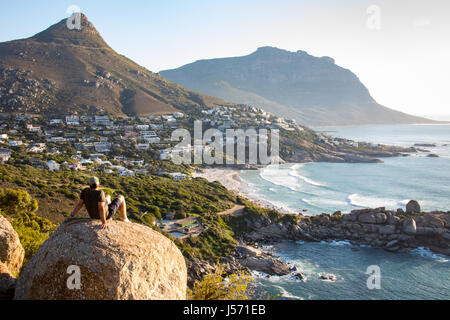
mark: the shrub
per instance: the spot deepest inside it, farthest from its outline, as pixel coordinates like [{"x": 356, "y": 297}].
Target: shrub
[
  {"x": 216, "y": 286},
  {"x": 14, "y": 202},
  {"x": 33, "y": 231}
]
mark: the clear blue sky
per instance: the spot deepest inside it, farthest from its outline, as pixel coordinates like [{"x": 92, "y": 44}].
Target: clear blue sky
[{"x": 405, "y": 64}]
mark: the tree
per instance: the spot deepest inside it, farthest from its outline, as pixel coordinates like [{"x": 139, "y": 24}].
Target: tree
[{"x": 14, "y": 202}]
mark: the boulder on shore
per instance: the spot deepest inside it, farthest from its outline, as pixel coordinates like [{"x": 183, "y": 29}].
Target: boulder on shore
[
  {"x": 11, "y": 250},
  {"x": 255, "y": 259},
  {"x": 413, "y": 207},
  {"x": 125, "y": 262}
]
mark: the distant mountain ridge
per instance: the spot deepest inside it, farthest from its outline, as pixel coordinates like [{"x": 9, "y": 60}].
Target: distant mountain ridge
[
  {"x": 312, "y": 90},
  {"x": 60, "y": 70}
]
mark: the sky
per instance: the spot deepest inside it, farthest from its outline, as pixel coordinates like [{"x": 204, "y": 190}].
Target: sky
[{"x": 399, "y": 49}]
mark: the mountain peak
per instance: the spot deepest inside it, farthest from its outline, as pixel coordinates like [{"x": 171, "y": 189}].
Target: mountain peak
[
  {"x": 270, "y": 50},
  {"x": 69, "y": 32}
]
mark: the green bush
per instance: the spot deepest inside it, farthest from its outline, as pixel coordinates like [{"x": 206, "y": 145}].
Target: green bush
[
  {"x": 14, "y": 202},
  {"x": 33, "y": 231}
]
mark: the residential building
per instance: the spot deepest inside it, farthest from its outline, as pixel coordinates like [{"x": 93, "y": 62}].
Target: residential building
[
  {"x": 5, "y": 154},
  {"x": 143, "y": 146},
  {"x": 52, "y": 165},
  {"x": 72, "y": 120},
  {"x": 15, "y": 143},
  {"x": 56, "y": 121}
]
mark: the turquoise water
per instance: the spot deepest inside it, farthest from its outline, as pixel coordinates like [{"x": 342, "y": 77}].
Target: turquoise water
[
  {"x": 327, "y": 187},
  {"x": 415, "y": 275}
]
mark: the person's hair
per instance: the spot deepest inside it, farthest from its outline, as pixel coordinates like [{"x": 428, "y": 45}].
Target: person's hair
[{"x": 93, "y": 186}]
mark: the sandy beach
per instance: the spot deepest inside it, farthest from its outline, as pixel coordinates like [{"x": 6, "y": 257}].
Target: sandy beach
[{"x": 229, "y": 178}]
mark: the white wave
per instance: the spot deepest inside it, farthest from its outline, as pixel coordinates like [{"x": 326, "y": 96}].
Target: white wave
[
  {"x": 361, "y": 201},
  {"x": 426, "y": 253},
  {"x": 279, "y": 177},
  {"x": 336, "y": 243},
  {"x": 294, "y": 173},
  {"x": 325, "y": 203},
  {"x": 287, "y": 294}
]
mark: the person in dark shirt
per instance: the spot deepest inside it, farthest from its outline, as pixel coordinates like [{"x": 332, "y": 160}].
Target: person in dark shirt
[{"x": 100, "y": 206}]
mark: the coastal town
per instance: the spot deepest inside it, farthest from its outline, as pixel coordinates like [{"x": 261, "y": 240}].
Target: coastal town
[{"x": 126, "y": 145}]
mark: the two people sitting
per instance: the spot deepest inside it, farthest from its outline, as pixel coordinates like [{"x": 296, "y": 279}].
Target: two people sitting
[{"x": 99, "y": 205}]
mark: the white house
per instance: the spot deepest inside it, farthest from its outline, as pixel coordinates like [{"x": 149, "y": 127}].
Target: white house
[
  {"x": 52, "y": 165},
  {"x": 143, "y": 146},
  {"x": 177, "y": 176},
  {"x": 104, "y": 120},
  {"x": 127, "y": 173},
  {"x": 102, "y": 146},
  {"x": 72, "y": 120},
  {"x": 3, "y": 136},
  {"x": 142, "y": 127},
  {"x": 15, "y": 143},
  {"x": 56, "y": 139},
  {"x": 164, "y": 154},
  {"x": 151, "y": 139},
  {"x": 178, "y": 115},
  {"x": 5, "y": 154},
  {"x": 33, "y": 128},
  {"x": 55, "y": 121}
]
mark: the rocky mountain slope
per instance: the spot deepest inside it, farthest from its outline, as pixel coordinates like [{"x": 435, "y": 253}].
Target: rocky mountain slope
[
  {"x": 314, "y": 91},
  {"x": 60, "y": 70}
]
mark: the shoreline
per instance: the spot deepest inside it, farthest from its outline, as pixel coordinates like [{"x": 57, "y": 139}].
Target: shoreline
[{"x": 229, "y": 178}]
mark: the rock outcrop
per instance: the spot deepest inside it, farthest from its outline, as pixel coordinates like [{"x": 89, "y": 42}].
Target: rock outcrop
[
  {"x": 126, "y": 261},
  {"x": 388, "y": 229},
  {"x": 258, "y": 260},
  {"x": 11, "y": 250}
]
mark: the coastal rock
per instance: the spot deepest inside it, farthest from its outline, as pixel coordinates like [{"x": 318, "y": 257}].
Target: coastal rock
[
  {"x": 372, "y": 217},
  {"x": 409, "y": 226},
  {"x": 392, "y": 248},
  {"x": 11, "y": 250},
  {"x": 433, "y": 222},
  {"x": 255, "y": 259},
  {"x": 328, "y": 277},
  {"x": 7, "y": 283},
  {"x": 392, "y": 220},
  {"x": 299, "y": 276},
  {"x": 388, "y": 229},
  {"x": 350, "y": 217},
  {"x": 413, "y": 207},
  {"x": 125, "y": 262},
  {"x": 392, "y": 243}
]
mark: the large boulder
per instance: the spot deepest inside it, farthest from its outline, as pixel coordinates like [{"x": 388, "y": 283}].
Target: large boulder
[
  {"x": 409, "y": 226},
  {"x": 11, "y": 251},
  {"x": 126, "y": 261},
  {"x": 413, "y": 207}
]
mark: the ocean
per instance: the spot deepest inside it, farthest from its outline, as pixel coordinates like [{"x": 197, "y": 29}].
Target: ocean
[{"x": 313, "y": 188}]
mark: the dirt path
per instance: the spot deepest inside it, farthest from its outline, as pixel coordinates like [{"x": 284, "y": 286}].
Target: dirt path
[{"x": 236, "y": 210}]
